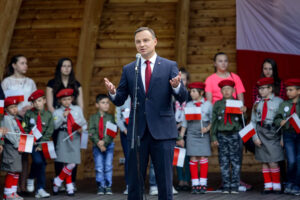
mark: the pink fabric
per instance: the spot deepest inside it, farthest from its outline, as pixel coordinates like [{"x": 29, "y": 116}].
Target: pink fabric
[{"x": 211, "y": 85}]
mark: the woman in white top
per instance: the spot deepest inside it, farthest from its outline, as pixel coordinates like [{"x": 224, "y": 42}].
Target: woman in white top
[{"x": 16, "y": 83}]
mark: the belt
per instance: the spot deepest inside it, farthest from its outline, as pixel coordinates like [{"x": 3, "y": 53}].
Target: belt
[
  {"x": 63, "y": 129},
  {"x": 227, "y": 132},
  {"x": 266, "y": 126}
]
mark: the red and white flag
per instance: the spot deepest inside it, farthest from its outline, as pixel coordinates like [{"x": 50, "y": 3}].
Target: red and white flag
[
  {"x": 49, "y": 150},
  {"x": 179, "y": 156},
  {"x": 247, "y": 132},
  {"x": 19, "y": 94},
  {"x": 111, "y": 129},
  {"x": 35, "y": 131},
  {"x": 192, "y": 113},
  {"x": 267, "y": 29},
  {"x": 125, "y": 114},
  {"x": 233, "y": 106},
  {"x": 295, "y": 122},
  {"x": 26, "y": 143},
  {"x": 1, "y": 106}
]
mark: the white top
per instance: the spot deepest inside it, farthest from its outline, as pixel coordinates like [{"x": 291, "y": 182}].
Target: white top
[{"x": 26, "y": 85}]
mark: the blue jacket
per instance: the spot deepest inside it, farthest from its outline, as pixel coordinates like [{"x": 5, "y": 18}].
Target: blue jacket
[{"x": 155, "y": 108}]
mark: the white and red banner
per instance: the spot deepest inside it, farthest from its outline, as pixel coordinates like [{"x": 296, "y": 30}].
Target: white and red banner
[
  {"x": 126, "y": 114},
  {"x": 111, "y": 129},
  {"x": 35, "y": 131},
  {"x": 179, "y": 156},
  {"x": 26, "y": 143},
  {"x": 1, "y": 106},
  {"x": 267, "y": 29},
  {"x": 233, "y": 106},
  {"x": 247, "y": 132},
  {"x": 19, "y": 94},
  {"x": 49, "y": 150},
  {"x": 295, "y": 122},
  {"x": 192, "y": 113}
]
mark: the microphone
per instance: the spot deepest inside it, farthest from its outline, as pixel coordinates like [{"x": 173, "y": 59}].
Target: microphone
[{"x": 138, "y": 58}]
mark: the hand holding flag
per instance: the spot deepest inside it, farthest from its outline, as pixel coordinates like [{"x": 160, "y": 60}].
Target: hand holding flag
[{"x": 247, "y": 132}]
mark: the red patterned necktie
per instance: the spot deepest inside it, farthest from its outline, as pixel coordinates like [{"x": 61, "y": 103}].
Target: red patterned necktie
[
  {"x": 101, "y": 128},
  {"x": 39, "y": 123},
  {"x": 147, "y": 75},
  {"x": 20, "y": 125},
  {"x": 70, "y": 121},
  {"x": 198, "y": 104},
  {"x": 293, "y": 109},
  {"x": 264, "y": 111}
]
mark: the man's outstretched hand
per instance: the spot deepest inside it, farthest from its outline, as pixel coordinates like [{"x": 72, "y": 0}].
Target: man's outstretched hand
[
  {"x": 176, "y": 80},
  {"x": 109, "y": 86}
]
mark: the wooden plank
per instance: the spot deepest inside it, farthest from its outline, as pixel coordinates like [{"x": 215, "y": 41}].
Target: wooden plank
[
  {"x": 182, "y": 28},
  {"x": 86, "y": 51},
  {"x": 143, "y": 1},
  {"x": 9, "y": 11}
]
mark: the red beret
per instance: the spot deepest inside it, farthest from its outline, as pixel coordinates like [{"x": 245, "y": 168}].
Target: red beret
[
  {"x": 198, "y": 85},
  {"x": 36, "y": 94},
  {"x": 292, "y": 82},
  {"x": 65, "y": 93},
  {"x": 10, "y": 101},
  {"x": 265, "y": 81},
  {"x": 226, "y": 82}
]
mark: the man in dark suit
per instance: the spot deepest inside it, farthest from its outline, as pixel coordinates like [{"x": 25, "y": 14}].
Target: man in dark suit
[{"x": 158, "y": 80}]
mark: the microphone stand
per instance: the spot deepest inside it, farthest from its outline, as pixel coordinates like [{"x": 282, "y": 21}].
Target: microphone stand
[{"x": 135, "y": 140}]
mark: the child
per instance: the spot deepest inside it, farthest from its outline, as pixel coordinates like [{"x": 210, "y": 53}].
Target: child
[
  {"x": 266, "y": 140},
  {"x": 43, "y": 120},
  {"x": 12, "y": 159},
  {"x": 70, "y": 122},
  {"x": 224, "y": 134},
  {"x": 103, "y": 149},
  {"x": 291, "y": 139},
  {"x": 198, "y": 141},
  {"x": 3, "y": 131}
]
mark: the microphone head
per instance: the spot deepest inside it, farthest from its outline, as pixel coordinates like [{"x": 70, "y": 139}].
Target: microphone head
[{"x": 138, "y": 55}]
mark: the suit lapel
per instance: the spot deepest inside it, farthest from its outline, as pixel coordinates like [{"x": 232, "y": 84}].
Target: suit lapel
[{"x": 155, "y": 72}]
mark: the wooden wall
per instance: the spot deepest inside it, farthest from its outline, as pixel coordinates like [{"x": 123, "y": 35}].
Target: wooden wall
[{"x": 47, "y": 30}]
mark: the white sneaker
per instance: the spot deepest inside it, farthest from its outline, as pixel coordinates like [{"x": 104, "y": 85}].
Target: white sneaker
[
  {"x": 174, "y": 191},
  {"x": 30, "y": 185},
  {"x": 126, "y": 190},
  {"x": 41, "y": 193},
  {"x": 153, "y": 190}
]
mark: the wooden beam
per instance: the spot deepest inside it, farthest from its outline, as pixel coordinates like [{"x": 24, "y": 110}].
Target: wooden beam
[
  {"x": 182, "y": 27},
  {"x": 86, "y": 54},
  {"x": 9, "y": 11}
]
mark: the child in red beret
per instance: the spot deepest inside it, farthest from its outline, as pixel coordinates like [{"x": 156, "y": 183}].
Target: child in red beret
[
  {"x": 70, "y": 122},
  {"x": 39, "y": 118}
]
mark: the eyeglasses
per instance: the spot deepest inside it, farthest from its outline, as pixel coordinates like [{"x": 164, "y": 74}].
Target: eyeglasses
[{"x": 262, "y": 88}]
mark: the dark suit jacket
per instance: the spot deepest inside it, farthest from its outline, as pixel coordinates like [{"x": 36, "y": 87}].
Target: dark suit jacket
[{"x": 155, "y": 108}]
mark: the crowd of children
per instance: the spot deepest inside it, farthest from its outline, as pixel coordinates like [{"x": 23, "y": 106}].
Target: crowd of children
[{"x": 276, "y": 138}]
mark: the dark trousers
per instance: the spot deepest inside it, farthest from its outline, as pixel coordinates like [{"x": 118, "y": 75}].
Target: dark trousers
[
  {"x": 292, "y": 150},
  {"x": 124, "y": 144},
  {"x": 38, "y": 168},
  {"x": 161, "y": 152},
  {"x": 58, "y": 166}
]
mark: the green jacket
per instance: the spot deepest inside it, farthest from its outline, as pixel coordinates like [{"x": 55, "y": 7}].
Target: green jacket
[
  {"x": 218, "y": 120},
  {"x": 94, "y": 128},
  {"x": 284, "y": 112},
  {"x": 47, "y": 123}
]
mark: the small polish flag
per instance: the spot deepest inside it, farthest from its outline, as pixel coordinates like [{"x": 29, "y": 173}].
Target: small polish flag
[
  {"x": 26, "y": 143},
  {"x": 233, "y": 106},
  {"x": 1, "y": 106},
  {"x": 48, "y": 150},
  {"x": 179, "y": 156},
  {"x": 192, "y": 113},
  {"x": 295, "y": 122},
  {"x": 19, "y": 94},
  {"x": 247, "y": 132},
  {"x": 35, "y": 131},
  {"x": 111, "y": 129},
  {"x": 125, "y": 114}
]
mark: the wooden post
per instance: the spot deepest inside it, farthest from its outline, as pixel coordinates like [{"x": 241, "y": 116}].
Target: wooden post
[
  {"x": 86, "y": 54},
  {"x": 182, "y": 26},
  {"x": 9, "y": 11}
]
